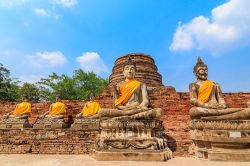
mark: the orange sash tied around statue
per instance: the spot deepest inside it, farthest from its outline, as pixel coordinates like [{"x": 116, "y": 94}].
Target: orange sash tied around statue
[
  {"x": 205, "y": 91},
  {"x": 126, "y": 90},
  {"x": 22, "y": 108},
  {"x": 90, "y": 108},
  {"x": 57, "y": 108}
]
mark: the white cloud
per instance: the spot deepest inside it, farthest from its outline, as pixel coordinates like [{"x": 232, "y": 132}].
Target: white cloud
[
  {"x": 12, "y": 3},
  {"x": 65, "y": 3},
  {"x": 47, "y": 59},
  {"x": 227, "y": 28},
  {"x": 41, "y": 12},
  {"x": 30, "y": 78},
  {"x": 91, "y": 61}
]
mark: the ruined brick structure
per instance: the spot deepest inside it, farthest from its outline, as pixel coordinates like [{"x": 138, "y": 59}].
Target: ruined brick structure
[{"x": 68, "y": 141}]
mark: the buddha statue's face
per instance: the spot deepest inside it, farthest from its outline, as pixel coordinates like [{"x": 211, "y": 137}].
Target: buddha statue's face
[
  {"x": 201, "y": 73},
  {"x": 129, "y": 71}
]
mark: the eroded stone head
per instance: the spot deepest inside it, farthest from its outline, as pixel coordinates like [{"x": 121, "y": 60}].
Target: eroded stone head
[
  {"x": 129, "y": 69},
  {"x": 200, "y": 70}
]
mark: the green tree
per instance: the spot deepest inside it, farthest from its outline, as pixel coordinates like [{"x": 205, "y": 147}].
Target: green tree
[
  {"x": 80, "y": 86},
  {"x": 31, "y": 90},
  {"x": 9, "y": 89}
]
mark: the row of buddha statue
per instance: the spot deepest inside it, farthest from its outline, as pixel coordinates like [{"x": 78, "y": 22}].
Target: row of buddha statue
[
  {"x": 132, "y": 126},
  {"x": 131, "y": 101}
]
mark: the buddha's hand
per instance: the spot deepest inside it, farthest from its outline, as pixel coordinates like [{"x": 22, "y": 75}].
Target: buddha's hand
[
  {"x": 212, "y": 105},
  {"x": 222, "y": 106},
  {"x": 142, "y": 106}
]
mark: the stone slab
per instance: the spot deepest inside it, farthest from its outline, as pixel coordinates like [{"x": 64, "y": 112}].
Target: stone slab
[
  {"x": 133, "y": 155},
  {"x": 86, "y": 124},
  {"x": 50, "y": 124},
  {"x": 14, "y": 123}
]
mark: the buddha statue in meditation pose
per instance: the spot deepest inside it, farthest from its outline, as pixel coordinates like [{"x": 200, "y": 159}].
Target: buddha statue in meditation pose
[
  {"x": 56, "y": 110},
  {"x": 207, "y": 98},
  {"x": 21, "y": 111},
  {"x": 130, "y": 98},
  {"x": 90, "y": 108}
]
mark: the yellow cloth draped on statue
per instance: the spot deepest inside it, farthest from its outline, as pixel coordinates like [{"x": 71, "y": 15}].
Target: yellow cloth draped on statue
[
  {"x": 22, "y": 108},
  {"x": 126, "y": 90},
  {"x": 90, "y": 108},
  {"x": 205, "y": 91},
  {"x": 57, "y": 108}
]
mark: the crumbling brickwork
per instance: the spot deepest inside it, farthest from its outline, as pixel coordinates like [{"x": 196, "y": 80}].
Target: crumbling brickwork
[{"x": 67, "y": 141}]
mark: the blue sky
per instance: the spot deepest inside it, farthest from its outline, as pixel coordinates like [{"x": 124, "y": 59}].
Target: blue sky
[{"x": 38, "y": 37}]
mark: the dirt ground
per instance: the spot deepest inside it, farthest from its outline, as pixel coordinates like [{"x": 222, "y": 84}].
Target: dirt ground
[{"x": 85, "y": 160}]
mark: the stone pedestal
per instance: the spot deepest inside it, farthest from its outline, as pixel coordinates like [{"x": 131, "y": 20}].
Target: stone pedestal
[
  {"x": 221, "y": 140},
  {"x": 85, "y": 124},
  {"x": 134, "y": 140},
  {"x": 13, "y": 123},
  {"x": 48, "y": 123}
]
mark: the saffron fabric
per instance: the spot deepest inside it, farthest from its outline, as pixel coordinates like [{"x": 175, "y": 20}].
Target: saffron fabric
[
  {"x": 91, "y": 108},
  {"x": 126, "y": 90},
  {"x": 22, "y": 108},
  {"x": 205, "y": 91},
  {"x": 57, "y": 108}
]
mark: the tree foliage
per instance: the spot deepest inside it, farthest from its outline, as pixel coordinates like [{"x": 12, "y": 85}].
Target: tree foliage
[
  {"x": 9, "y": 89},
  {"x": 80, "y": 86},
  {"x": 31, "y": 90}
]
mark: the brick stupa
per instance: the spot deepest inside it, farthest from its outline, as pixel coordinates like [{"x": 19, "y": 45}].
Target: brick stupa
[{"x": 146, "y": 70}]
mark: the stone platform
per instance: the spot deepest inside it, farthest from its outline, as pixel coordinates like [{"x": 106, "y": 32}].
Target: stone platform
[
  {"x": 12, "y": 123},
  {"x": 86, "y": 124},
  {"x": 47, "y": 123},
  {"x": 221, "y": 140},
  {"x": 131, "y": 140}
]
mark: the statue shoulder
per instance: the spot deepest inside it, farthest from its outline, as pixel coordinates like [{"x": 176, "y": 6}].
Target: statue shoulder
[{"x": 193, "y": 86}]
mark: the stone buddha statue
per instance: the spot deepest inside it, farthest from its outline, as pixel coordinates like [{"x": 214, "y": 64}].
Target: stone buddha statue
[
  {"x": 90, "y": 108},
  {"x": 208, "y": 100},
  {"x": 56, "y": 110},
  {"x": 21, "y": 111},
  {"x": 130, "y": 98}
]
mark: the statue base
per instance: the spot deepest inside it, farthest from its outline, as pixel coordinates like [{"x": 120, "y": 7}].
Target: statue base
[
  {"x": 133, "y": 140},
  {"x": 48, "y": 123},
  {"x": 85, "y": 124},
  {"x": 226, "y": 140},
  {"x": 12, "y": 123}
]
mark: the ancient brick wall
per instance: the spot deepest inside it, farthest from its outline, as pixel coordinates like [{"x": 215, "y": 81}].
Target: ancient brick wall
[{"x": 176, "y": 120}]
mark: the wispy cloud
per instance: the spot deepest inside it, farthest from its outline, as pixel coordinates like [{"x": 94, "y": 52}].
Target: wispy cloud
[
  {"x": 65, "y": 3},
  {"x": 47, "y": 59},
  {"x": 228, "y": 26},
  {"x": 12, "y": 3},
  {"x": 92, "y": 62},
  {"x": 41, "y": 12}
]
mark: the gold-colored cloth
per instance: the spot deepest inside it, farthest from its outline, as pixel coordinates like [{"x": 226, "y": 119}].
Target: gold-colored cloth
[
  {"x": 126, "y": 90},
  {"x": 22, "y": 108},
  {"x": 90, "y": 108},
  {"x": 205, "y": 91},
  {"x": 57, "y": 108}
]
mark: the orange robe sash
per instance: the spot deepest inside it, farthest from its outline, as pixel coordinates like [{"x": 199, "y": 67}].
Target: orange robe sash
[
  {"x": 57, "y": 108},
  {"x": 90, "y": 108},
  {"x": 22, "y": 108},
  {"x": 205, "y": 91},
  {"x": 126, "y": 90}
]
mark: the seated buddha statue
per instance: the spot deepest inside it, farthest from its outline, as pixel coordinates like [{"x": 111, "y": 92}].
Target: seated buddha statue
[
  {"x": 90, "y": 108},
  {"x": 56, "y": 110},
  {"x": 130, "y": 98},
  {"x": 21, "y": 111},
  {"x": 208, "y": 100}
]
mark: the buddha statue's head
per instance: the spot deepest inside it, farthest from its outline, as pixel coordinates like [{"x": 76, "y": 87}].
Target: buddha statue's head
[
  {"x": 25, "y": 97},
  {"x": 200, "y": 70},
  {"x": 129, "y": 69},
  {"x": 58, "y": 98}
]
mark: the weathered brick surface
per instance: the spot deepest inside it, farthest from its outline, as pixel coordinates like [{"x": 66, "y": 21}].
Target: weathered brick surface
[{"x": 176, "y": 120}]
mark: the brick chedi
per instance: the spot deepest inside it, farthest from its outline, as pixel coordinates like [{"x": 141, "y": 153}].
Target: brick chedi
[{"x": 146, "y": 70}]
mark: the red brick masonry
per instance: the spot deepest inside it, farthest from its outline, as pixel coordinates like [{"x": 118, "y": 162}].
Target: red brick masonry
[{"x": 67, "y": 141}]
